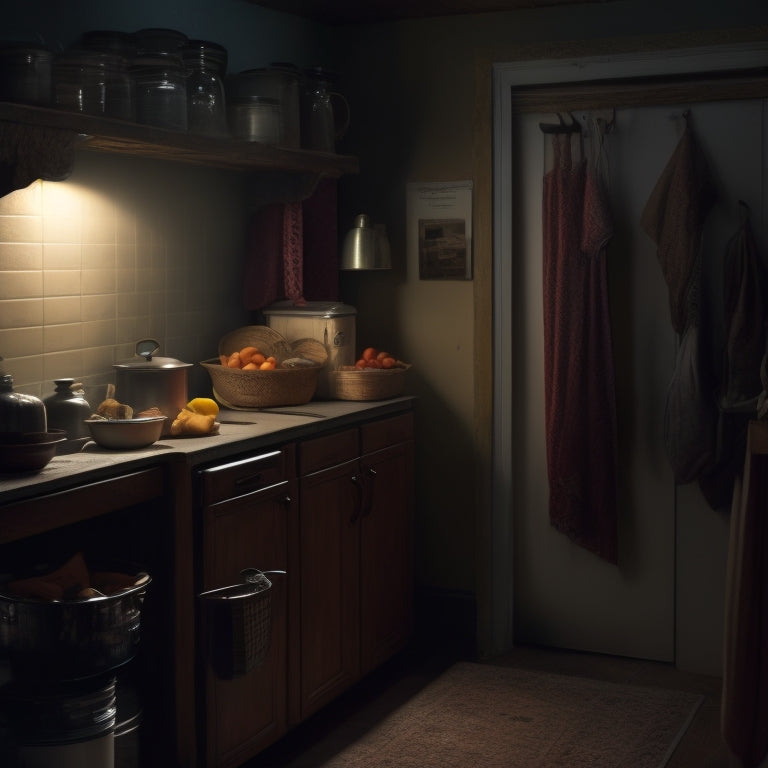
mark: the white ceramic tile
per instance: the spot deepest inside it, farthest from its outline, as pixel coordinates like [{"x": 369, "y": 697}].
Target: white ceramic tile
[
  {"x": 25, "y": 370},
  {"x": 98, "y": 307},
  {"x": 61, "y": 282},
  {"x": 20, "y": 313},
  {"x": 21, "y": 256},
  {"x": 100, "y": 333},
  {"x": 62, "y": 256},
  {"x": 61, "y": 365},
  {"x": 21, "y": 285},
  {"x": 126, "y": 281},
  {"x": 64, "y": 309},
  {"x": 99, "y": 255},
  {"x": 62, "y": 229},
  {"x": 98, "y": 282},
  {"x": 21, "y": 342},
  {"x": 125, "y": 256},
  {"x": 57, "y": 338},
  {"x": 21, "y": 229}
]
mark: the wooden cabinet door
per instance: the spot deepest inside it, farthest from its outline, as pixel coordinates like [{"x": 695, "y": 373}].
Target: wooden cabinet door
[
  {"x": 248, "y": 712},
  {"x": 386, "y": 559},
  {"x": 329, "y": 658}
]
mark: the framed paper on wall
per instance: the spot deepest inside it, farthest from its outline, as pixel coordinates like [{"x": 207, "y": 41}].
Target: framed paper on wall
[{"x": 440, "y": 229}]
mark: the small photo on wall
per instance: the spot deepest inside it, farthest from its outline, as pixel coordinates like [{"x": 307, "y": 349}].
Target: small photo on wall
[
  {"x": 439, "y": 230},
  {"x": 443, "y": 252}
]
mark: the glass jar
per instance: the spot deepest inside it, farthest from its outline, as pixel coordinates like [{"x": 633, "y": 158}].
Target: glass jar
[
  {"x": 67, "y": 409},
  {"x": 257, "y": 118},
  {"x": 161, "y": 91},
  {"x": 276, "y": 83},
  {"x": 94, "y": 83},
  {"x": 25, "y": 74},
  {"x": 205, "y": 63}
]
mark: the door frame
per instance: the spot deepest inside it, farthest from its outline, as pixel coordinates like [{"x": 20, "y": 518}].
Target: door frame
[{"x": 506, "y": 77}]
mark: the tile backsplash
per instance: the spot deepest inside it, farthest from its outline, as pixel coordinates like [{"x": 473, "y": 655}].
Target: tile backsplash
[{"x": 124, "y": 249}]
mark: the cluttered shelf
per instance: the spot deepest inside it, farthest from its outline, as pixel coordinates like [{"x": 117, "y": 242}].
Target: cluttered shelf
[{"x": 40, "y": 142}]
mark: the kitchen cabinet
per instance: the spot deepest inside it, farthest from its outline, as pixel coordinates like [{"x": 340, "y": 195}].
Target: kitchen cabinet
[
  {"x": 124, "y": 520},
  {"x": 247, "y": 506},
  {"x": 355, "y": 553}
]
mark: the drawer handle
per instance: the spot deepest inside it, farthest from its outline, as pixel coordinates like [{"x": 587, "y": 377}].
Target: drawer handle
[{"x": 249, "y": 480}]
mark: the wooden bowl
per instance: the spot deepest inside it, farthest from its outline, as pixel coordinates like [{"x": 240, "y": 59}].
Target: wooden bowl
[{"x": 28, "y": 451}]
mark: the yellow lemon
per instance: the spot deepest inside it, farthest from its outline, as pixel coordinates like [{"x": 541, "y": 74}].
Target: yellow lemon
[{"x": 203, "y": 405}]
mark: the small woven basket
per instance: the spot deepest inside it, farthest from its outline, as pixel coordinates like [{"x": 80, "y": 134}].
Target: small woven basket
[
  {"x": 293, "y": 382},
  {"x": 238, "y": 625},
  {"x": 368, "y": 384},
  {"x": 262, "y": 389}
]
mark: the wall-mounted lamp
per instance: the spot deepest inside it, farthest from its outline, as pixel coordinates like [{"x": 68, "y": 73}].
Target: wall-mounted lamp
[{"x": 366, "y": 246}]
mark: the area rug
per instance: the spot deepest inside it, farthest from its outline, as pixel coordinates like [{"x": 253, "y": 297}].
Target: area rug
[{"x": 477, "y": 715}]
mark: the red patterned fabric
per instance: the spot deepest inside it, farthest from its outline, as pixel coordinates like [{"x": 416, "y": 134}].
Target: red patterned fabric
[
  {"x": 580, "y": 399},
  {"x": 293, "y": 253}
]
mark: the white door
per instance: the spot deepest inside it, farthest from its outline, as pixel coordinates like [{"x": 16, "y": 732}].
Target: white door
[{"x": 670, "y": 541}]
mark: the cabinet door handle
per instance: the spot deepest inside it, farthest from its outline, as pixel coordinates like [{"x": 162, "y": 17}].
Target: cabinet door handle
[
  {"x": 360, "y": 497},
  {"x": 371, "y": 490}
]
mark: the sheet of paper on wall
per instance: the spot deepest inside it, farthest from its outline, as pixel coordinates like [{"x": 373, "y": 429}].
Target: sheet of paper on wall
[{"x": 439, "y": 229}]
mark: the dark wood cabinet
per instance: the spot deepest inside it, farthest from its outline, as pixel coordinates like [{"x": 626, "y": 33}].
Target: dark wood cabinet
[
  {"x": 356, "y": 551},
  {"x": 386, "y": 540},
  {"x": 247, "y": 506}
]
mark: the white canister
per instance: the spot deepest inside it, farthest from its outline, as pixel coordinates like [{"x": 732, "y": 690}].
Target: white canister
[{"x": 331, "y": 323}]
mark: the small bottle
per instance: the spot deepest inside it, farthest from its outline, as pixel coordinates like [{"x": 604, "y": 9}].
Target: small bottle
[{"x": 67, "y": 409}]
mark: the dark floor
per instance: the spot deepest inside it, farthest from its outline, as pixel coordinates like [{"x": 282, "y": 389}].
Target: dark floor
[{"x": 337, "y": 725}]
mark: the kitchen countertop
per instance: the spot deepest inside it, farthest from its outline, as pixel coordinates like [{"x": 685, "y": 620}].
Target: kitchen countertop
[{"x": 240, "y": 431}]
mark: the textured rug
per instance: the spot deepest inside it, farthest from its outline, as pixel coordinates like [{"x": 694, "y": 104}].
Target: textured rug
[{"x": 504, "y": 717}]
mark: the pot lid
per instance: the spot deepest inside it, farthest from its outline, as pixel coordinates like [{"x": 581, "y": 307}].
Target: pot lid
[
  {"x": 146, "y": 360},
  {"x": 310, "y": 309}
]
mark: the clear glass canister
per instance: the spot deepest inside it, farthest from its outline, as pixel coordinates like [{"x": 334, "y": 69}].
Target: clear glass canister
[
  {"x": 257, "y": 119},
  {"x": 94, "y": 83},
  {"x": 205, "y": 63},
  {"x": 161, "y": 91},
  {"x": 25, "y": 73}
]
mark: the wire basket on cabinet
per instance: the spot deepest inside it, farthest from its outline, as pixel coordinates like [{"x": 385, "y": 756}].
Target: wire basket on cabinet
[{"x": 237, "y": 624}]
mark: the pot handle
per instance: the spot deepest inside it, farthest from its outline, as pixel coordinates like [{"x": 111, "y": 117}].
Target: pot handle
[{"x": 146, "y": 348}]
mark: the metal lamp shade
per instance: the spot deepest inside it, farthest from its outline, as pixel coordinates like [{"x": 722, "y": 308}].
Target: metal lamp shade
[{"x": 365, "y": 247}]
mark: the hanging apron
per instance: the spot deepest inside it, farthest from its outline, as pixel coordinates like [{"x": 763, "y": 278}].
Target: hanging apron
[{"x": 579, "y": 380}]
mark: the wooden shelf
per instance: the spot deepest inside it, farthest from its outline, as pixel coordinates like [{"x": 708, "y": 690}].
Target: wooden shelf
[{"x": 60, "y": 134}]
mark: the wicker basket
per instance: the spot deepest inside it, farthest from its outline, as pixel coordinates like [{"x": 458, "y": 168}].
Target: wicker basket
[
  {"x": 237, "y": 622},
  {"x": 289, "y": 385},
  {"x": 233, "y": 387},
  {"x": 368, "y": 384},
  {"x": 265, "y": 339}
]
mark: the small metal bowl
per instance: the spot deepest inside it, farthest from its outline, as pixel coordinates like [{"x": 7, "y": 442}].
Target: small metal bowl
[{"x": 122, "y": 434}]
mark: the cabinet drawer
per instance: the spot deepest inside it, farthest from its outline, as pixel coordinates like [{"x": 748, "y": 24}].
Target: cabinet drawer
[
  {"x": 246, "y": 475},
  {"x": 327, "y": 451},
  {"x": 385, "y": 432}
]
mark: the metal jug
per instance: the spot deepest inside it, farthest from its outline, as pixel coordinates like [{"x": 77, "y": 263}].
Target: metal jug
[{"x": 324, "y": 112}]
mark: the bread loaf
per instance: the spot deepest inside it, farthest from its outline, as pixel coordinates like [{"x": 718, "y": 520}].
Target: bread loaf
[{"x": 112, "y": 409}]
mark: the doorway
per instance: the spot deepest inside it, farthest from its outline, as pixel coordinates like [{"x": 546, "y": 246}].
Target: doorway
[{"x": 664, "y": 600}]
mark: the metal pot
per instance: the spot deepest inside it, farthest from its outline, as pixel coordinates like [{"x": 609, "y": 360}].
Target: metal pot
[
  {"x": 147, "y": 381},
  {"x": 71, "y": 639}
]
